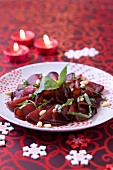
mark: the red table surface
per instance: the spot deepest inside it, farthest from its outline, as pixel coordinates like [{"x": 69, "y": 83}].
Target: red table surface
[{"x": 75, "y": 24}]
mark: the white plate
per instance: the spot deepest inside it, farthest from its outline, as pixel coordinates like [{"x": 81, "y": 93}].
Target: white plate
[{"x": 10, "y": 80}]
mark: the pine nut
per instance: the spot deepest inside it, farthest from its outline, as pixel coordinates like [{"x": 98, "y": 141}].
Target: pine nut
[
  {"x": 42, "y": 112},
  {"x": 84, "y": 82},
  {"x": 39, "y": 124},
  {"x": 70, "y": 103},
  {"x": 105, "y": 104},
  {"x": 8, "y": 93},
  {"x": 37, "y": 82},
  {"x": 54, "y": 110},
  {"x": 47, "y": 125},
  {"x": 72, "y": 89},
  {"x": 81, "y": 99},
  {"x": 82, "y": 86}
]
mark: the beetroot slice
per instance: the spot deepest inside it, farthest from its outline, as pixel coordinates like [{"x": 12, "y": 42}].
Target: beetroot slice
[
  {"x": 21, "y": 113},
  {"x": 54, "y": 118},
  {"x": 14, "y": 103},
  {"x": 53, "y": 75},
  {"x": 32, "y": 79},
  {"x": 97, "y": 87},
  {"x": 33, "y": 117},
  {"x": 24, "y": 92}
]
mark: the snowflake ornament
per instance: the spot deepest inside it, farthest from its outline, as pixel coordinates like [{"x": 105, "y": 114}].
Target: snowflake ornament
[
  {"x": 91, "y": 52},
  {"x": 80, "y": 157},
  {"x": 34, "y": 151},
  {"x": 2, "y": 140},
  {"x": 5, "y": 128},
  {"x": 78, "y": 141}
]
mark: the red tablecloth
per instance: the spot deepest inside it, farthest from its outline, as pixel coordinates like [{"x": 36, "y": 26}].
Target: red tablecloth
[{"x": 75, "y": 24}]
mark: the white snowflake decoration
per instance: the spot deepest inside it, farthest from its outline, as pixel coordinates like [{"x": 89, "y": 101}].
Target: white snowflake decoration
[
  {"x": 34, "y": 151},
  {"x": 91, "y": 52},
  {"x": 2, "y": 140},
  {"x": 5, "y": 128},
  {"x": 80, "y": 157}
]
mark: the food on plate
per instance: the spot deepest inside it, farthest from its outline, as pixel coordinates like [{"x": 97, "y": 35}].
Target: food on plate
[{"x": 55, "y": 99}]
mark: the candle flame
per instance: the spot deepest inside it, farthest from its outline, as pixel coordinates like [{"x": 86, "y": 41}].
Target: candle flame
[
  {"x": 46, "y": 39},
  {"x": 15, "y": 47},
  {"x": 22, "y": 34}
]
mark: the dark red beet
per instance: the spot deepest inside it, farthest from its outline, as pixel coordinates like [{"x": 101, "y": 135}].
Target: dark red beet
[
  {"x": 14, "y": 103},
  {"x": 21, "y": 113},
  {"x": 53, "y": 75},
  {"x": 24, "y": 92},
  {"x": 69, "y": 77},
  {"x": 33, "y": 117},
  {"x": 76, "y": 93},
  {"x": 64, "y": 111},
  {"x": 32, "y": 79},
  {"x": 59, "y": 96},
  {"x": 46, "y": 94},
  {"x": 53, "y": 118},
  {"x": 97, "y": 87},
  {"x": 83, "y": 107},
  {"x": 77, "y": 83}
]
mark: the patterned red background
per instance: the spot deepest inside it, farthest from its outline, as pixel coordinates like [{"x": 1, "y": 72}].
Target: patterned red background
[{"x": 75, "y": 24}]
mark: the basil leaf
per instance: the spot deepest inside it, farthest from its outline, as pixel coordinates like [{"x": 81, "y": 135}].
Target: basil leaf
[
  {"x": 79, "y": 114},
  {"x": 47, "y": 84},
  {"x": 25, "y": 82},
  {"x": 87, "y": 99},
  {"x": 92, "y": 99},
  {"x": 23, "y": 104},
  {"x": 22, "y": 88},
  {"x": 35, "y": 85},
  {"x": 90, "y": 110},
  {"x": 43, "y": 104},
  {"x": 59, "y": 107},
  {"x": 62, "y": 75},
  {"x": 68, "y": 102}
]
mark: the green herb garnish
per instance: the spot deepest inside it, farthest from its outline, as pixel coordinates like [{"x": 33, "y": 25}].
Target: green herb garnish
[
  {"x": 69, "y": 101},
  {"x": 48, "y": 83},
  {"x": 62, "y": 76},
  {"x": 79, "y": 114},
  {"x": 59, "y": 107},
  {"x": 43, "y": 104},
  {"x": 25, "y": 82},
  {"x": 35, "y": 85},
  {"x": 92, "y": 100},
  {"x": 87, "y": 99},
  {"x": 23, "y": 104}
]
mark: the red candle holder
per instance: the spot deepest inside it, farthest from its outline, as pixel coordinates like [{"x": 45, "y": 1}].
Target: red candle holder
[
  {"x": 28, "y": 41},
  {"x": 19, "y": 56},
  {"x": 45, "y": 49}
]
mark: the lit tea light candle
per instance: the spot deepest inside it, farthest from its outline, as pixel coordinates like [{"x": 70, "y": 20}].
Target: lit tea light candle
[
  {"x": 23, "y": 37},
  {"x": 22, "y": 34},
  {"x": 17, "y": 53},
  {"x": 46, "y": 46},
  {"x": 15, "y": 47},
  {"x": 47, "y": 41}
]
